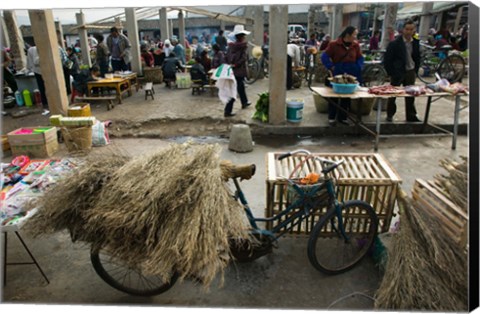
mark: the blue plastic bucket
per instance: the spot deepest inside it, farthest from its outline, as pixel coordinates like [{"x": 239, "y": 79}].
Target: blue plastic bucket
[{"x": 295, "y": 110}]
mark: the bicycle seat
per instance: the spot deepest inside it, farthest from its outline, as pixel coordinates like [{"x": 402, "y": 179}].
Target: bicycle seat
[{"x": 232, "y": 171}]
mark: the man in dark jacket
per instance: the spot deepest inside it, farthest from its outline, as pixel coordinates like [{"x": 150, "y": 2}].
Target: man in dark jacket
[
  {"x": 402, "y": 61},
  {"x": 237, "y": 58}
]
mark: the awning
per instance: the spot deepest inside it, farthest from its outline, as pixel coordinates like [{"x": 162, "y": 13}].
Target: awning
[{"x": 416, "y": 9}]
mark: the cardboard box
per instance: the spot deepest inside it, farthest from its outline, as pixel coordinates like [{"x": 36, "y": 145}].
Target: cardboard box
[
  {"x": 32, "y": 139},
  {"x": 5, "y": 143},
  {"x": 37, "y": 150},
  {"x": 79, "y": 110}
]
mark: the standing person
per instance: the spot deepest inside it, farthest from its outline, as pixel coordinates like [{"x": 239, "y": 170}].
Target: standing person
[
  {"x": 221, "y": 41},
  {"x": 33, "y": 65},
  {"x": 391, "y": 33},
  {"x": 402, "y": 61},
  {"x": 237, "y": 58},
  {"x": 325, "y": 41},
  {"x": 321, "y": 34},
  {"x": 72, "y": 56},
  {"x": 179, "y": 50},
  {"x": 343, "y": 56},
  {"x": 119, "y": 47},
  {"x": 167, "y": 48},
  {"x": 218, "y": 56},
  {"x": 374, "y": 40},
  {"x": 7, "y": 75},
  {"x": 293, "y": 56},
  {"x": 146, "y": 57},
  {"x": 102, "y": 54}
]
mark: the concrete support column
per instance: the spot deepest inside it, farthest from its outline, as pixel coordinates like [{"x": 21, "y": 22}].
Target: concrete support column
[
  {"x": 43, "y": 29},
  {"x": 4, "y": 35},
  {"x": 311, "y": 20},
  {"x": 390, "y": 19},
  {"x": 132, "y": 26},
  {"x": 376, "y": 23},
  {"x": 425, "y": 20},
  {"x": 181, "y": 28},
  {"x": 337, "y": 20},
  {"x": 439, "y": 22},
  {"x": 119, "y": 25},
  {"x": 278, "y": 23},
  {"x": 222, "y": 25},
  {"x": 59, "y": 30},
  {"x": 16, "y": 39},
  {"x": 330, "y": 23},
  {"x": 164, "y": 34},
  {"x": 82, "y": 33},
  {"x": 456, "y": 27},
  {"x": 170, "y": 28},
  {"x": 257, "y": 33}
]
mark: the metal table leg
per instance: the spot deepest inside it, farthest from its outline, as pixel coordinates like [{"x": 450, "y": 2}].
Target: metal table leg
[
  {"x": 4, "y": 258},
  {"x": 455, "y": 122},
  {"x": 379, "y": 114}
]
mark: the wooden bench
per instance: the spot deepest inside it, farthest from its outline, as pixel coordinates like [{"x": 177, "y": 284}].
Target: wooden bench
[
  {"x": 109, "y": 100},
  {"x": 149, "y": 91},
  {"x": 198, "y": 88}
]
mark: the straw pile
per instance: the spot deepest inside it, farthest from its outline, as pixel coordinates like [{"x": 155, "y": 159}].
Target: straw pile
[
  {"x": 426, "y": 269},
  {"x": 455, "y": 184},
  {"x": 168, "y": 211}
]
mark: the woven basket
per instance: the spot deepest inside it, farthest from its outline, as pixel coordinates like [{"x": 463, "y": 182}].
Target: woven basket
[
  {"x": 78, "y": 139},
  {"x": 154, "y": 75}
]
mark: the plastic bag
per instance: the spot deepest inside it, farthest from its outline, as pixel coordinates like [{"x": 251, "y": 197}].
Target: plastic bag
[{"x": 100, "y": 134}]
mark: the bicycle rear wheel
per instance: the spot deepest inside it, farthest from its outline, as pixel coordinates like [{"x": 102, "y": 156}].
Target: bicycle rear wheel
[
  {"x": 374, "y": 75},
  {"x": 452, "y": 68},
  {"x": 328, "y": 250},
  {"x": 126, "y": 278},
  {"x": 253, "y": 71}
]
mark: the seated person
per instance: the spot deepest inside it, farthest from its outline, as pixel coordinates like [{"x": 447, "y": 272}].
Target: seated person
[
  {"x": 147, "y": 57},
  {"x": 205, "y": 60},
  {"x": 198, "y": 73},
  {"x": 218, "y": 56},
  {"x": 170, "y": 67},
  {"x": 81, "y": 79}
]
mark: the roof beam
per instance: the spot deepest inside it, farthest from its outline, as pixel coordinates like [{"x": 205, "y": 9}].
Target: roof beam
[{"x": 217, "y": 16}]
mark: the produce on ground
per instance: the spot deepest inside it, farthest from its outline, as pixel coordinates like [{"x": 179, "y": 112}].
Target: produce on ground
[{"x": 261, "y": 107}]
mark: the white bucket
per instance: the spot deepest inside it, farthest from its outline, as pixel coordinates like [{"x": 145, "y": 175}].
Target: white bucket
[{"x": 295, "y": 110}]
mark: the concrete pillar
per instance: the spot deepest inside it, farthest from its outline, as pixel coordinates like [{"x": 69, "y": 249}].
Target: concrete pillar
[
  {"x": 181, "y": 28},
  {"x": 16, "y": 40},
  {"x": 119, "y": 25},
  {"x": 222, "y": 25},
  {"x": 164, "y": 24},
  {"x": 311, "y": 20},
  {"x": 59, "y": 30},
  {"x": 376, "y": 23},
  {"x": 82, "y": 33},
  {"x": 132, "y": 26},
  {"x": 439, "y": 22},
  {"x": 389, "y": 20},
  {"x": 257, "y": 32},
  {"x": 43, "y": 29},
  {"x": 170, "y": 28},
  {"x": 337, "y": 20},
  {"x": 4, "y": 35},
  {"x": 278, "y": 24},
  {"x": 456, "y": 27},
  {"x": 330, "y": 23},
  {"x": 425, "y": 20}
]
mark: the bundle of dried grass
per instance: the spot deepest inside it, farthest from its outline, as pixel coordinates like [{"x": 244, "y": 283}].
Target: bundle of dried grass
[
  {"x": 64, "y": 206},
  {"x": 426, "y": 269},
  {"x": 455, "y": 183},
  {"x": 167, "y": 211}
]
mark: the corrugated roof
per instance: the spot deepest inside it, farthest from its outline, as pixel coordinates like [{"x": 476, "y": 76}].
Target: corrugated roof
[{"x": 417, "y": 8}]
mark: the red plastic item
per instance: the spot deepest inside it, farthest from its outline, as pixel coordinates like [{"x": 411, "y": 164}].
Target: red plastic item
[{"x": 20, "y": 161}]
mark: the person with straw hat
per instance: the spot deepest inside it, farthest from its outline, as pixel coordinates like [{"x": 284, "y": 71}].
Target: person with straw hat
[{"x": 237, "y": 58}]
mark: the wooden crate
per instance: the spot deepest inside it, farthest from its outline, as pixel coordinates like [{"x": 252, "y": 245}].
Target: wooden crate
[
  {"x": 367, "y": 177},
  {"x": 428, "y": 196}
]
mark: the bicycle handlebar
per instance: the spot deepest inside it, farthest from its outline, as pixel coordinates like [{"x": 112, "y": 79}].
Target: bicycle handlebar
[{"x": 332, "y": 164}]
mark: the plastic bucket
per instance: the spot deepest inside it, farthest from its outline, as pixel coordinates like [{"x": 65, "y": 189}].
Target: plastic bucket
[{"x": 295, "y": 110}]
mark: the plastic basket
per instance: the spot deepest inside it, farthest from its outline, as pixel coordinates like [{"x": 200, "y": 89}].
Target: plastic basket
[
  {"x": 321, "y": 193},
  {"x": 344, "y": 88}
]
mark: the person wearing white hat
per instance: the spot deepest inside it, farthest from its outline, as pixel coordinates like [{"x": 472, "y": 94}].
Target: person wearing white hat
[{"x": 237, "y": 58}]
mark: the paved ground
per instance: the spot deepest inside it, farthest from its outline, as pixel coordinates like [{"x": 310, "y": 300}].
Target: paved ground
[{"x": 284, "y": 279}]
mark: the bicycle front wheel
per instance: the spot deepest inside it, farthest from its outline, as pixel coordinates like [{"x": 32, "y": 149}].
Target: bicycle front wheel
[
  {"x": 126, "y": 278},
  {"x": 253, "y": 71},
  {"x": 330, "y": 251},
  {"x": 374, "y": 75}
]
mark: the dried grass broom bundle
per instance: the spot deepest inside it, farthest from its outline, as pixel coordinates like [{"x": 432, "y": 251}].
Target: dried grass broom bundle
[
  {"x": 63, "y": 206},
  {"x": 170, "y": 211},
  {"x": 455, "y": 183},
  {"x": 426, "y": 270}
]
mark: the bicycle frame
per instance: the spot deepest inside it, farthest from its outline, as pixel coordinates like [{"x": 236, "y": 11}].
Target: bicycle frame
[{"x": 297, "y": 218}]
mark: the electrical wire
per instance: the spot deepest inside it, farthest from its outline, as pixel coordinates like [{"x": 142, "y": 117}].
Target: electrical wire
[{"x": 350, "y": 295}]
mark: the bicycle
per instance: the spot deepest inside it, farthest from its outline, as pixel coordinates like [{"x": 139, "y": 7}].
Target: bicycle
[
  {"x": 373, "y": 73},
  {"x": 257, "y": 65},
  {"x": 345, "y": 229},
  {"x": 440, "y": 64}
]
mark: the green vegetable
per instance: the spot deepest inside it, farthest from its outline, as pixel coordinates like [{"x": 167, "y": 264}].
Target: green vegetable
[{"x": 261, "y": 107}]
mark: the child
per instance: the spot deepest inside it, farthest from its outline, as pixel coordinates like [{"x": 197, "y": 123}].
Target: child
[{"x": 80, "y": 81}]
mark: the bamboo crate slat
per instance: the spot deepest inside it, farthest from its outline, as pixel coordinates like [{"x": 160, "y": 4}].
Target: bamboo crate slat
[
  {"x": 454, "y": 220},
  {"x": 368, "y": 177}
]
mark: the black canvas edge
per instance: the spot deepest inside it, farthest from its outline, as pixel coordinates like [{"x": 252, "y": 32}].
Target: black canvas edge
[{"x": 473, "y": 19}]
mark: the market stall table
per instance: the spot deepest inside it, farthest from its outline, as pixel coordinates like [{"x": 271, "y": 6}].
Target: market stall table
[
  {"x": 132, "y": 76},
  {"x": 362, "y": 93},
  {"x": 115, "y": 83}
]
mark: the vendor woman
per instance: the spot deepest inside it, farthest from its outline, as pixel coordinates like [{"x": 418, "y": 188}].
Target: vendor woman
[{"x": 343, "y": 56}]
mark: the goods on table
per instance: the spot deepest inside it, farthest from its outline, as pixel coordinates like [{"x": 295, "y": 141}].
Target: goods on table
[
  {"x": 455, "y": 88},
  {"x": 415, "y": 90},
  {"x": 343, "y": 79},
  {"x": 167, "y": 211},
  {"x": 386, "y": 90}
]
